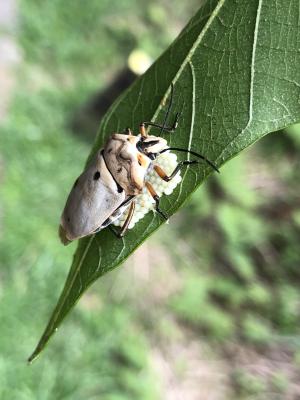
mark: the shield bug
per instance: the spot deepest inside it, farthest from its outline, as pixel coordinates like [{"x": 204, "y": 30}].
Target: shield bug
[{"x": 116, "y": 176}]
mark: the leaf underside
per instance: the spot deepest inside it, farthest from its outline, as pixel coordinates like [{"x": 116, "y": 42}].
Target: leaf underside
[{"x": 235, "y": 70}]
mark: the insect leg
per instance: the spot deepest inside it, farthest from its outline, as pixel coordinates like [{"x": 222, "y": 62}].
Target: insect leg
[
  {"x": 124, "y": 228},
  {"x": 143, "y": 131},
  {"x": 168, "y": 110},
  {"x": 163, "y": 127},
  {"x": 161, "y": 173},
  {"x": 156, "y": 198},
  {"x": 190, "y": 152},
  {"x": 128, "y": 219},
  {"x": 117, "y": 234},
  {"x": 116, "y": 214}
]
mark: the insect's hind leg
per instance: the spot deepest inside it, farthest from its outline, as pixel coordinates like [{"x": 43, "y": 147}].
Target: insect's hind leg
[
  {"x": 157, "y": 199},
  {"x": 115, "y": 215},
  {"x": 125, "y": 226},
  {"x": 114, "y": 231},
  {"x": 167, "y": 178}
]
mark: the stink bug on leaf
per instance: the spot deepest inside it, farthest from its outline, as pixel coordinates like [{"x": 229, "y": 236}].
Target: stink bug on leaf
[{"x": 117, "y": 175}]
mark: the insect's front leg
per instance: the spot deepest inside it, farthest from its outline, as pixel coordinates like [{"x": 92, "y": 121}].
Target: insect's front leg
[
  {"x": 162, "y": 174},
  {"x": 163, "y": 126},
  {"x": 157, "y": 199},
  {"x": 171, "y": 128}
]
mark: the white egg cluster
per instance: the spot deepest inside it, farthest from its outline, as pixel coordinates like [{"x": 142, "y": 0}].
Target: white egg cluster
[{"x": 144, "y": 202}]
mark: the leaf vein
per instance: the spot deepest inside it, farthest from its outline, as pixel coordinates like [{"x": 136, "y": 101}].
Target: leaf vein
[{"x": 252, "y": 69}]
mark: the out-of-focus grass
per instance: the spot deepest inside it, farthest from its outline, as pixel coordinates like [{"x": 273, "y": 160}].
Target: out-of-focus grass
[
  {"x": 242, "y": 282},
  {"x": 250, "y": 248}
]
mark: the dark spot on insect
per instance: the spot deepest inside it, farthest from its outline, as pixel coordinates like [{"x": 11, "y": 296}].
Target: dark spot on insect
[
  {"x": 119, "y": 169},
  {"x": 139, "y": 162},
  {"x": 75, "y": 183},
  {"x": 109, "y": 150},
  {"x": 68, "y": 219},
  {"x": 96, "y": 175},
  {"x": 119, "y": 188}
]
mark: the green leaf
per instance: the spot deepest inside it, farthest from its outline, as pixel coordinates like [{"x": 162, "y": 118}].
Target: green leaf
[{"x": 235, "y": 70}]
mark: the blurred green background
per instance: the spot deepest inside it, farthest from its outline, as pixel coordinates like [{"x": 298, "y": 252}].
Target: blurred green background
[{"x": 209, "y": 307}]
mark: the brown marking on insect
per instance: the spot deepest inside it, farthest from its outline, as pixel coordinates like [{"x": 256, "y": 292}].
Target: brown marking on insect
[
  {"x": 131, "y": 139},
  {"x": 142, "y": 160}
]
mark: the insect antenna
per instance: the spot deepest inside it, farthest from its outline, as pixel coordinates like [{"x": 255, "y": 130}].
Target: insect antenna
[{"x": 193, "y": 153}]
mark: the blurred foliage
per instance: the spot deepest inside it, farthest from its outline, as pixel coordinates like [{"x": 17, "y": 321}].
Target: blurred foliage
[
  {"x": 81, "y": 44},
  {"x": 237, "y": 241},
  {"x": 250, "y": 246}
]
